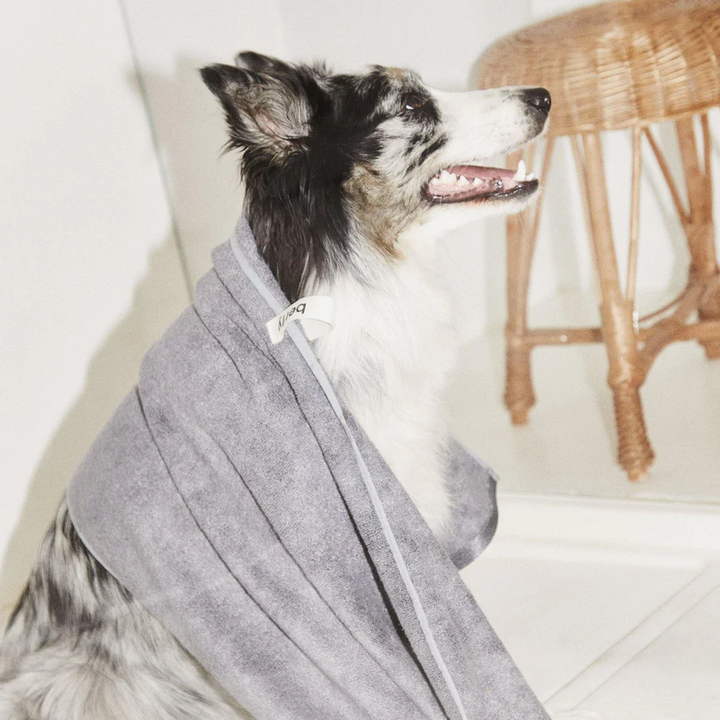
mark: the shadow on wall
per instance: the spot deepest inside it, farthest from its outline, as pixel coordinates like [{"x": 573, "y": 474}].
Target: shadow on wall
[
  {"x": 203, "y": 183},
  {"x": 205, "y": 201},
  {"x": 112, "y": 372},
  {"x": 190, "y": 131}
]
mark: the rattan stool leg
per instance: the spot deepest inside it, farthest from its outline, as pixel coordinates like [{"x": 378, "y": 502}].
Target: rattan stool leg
[
  {"x": 519, "y": 395},
  {"x": 521, "y": 236},
  {"x": 710, "y": 310},
  {"x": 634, "y": 452},
  {"x": 699, "y": 227}
]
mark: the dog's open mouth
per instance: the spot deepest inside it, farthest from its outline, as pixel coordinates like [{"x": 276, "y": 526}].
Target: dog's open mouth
[{"x": 463, "y": 183}]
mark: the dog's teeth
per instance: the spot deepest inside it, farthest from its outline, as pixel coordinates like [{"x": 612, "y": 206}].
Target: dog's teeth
[
  {"x": 435, "y": 181},
  {"x": 452, "y": 179},
  {"x": 530, "y": 176},
  {"x": 445, "y": 176},
  {"x": 463, "y": 180},
  {"x": 476, "y": 181},
  {"x": 521, "y": 173}
]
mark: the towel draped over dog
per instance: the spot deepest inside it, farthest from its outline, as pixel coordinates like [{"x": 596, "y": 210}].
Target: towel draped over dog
[{"x": 245, "y": 509}]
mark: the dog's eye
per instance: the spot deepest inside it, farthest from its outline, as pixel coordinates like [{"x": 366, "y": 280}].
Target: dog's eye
[{"x": 414, "y": 102}]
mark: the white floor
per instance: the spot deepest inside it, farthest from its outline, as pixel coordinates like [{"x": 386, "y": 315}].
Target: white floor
[
  {"x": 606, "y": 593},
  {"x": 568, "y": 446}
]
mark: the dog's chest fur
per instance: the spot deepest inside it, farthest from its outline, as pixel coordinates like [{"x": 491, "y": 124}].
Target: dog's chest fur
[{"x": 389, "y": 354}]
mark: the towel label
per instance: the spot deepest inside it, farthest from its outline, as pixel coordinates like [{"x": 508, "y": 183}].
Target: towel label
[{"x": 315, "y": 312}]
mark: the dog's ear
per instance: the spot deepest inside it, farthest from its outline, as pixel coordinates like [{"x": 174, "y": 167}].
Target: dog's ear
[
  {"x": 258, "y": 63},
  {"x": 268, "y": 109}
]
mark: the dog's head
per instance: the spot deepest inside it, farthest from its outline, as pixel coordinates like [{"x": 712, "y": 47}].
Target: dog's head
[{"x": 337, "y": 165}]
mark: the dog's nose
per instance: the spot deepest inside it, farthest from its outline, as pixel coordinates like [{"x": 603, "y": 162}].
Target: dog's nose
[{"x": 539, "y": 98}]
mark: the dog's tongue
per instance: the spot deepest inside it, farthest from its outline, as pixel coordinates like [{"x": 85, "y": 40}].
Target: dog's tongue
[{"x": 470, "y": 180}]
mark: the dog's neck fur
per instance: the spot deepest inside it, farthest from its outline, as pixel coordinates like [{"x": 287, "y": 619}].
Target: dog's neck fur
[{"x": 389, "y": 354}]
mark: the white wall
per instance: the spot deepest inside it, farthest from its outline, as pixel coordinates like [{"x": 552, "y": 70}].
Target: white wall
[{"x": 89, "y": 271}]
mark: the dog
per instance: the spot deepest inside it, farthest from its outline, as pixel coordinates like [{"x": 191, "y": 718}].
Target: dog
[{"x": 350, "y": 180}]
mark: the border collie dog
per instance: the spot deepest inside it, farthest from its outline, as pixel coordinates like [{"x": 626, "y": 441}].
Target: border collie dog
[{"x": 350, "y": 180}]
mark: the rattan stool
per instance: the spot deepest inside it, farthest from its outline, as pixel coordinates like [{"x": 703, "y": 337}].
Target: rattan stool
[{"x": 618, "y": 65}]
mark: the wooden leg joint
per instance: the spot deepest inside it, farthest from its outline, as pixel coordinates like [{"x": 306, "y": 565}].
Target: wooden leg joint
[
  {"x": 710, "y": 310},
  {"x": 620, "y": 339},
  {"x": 625, "y": 376}
]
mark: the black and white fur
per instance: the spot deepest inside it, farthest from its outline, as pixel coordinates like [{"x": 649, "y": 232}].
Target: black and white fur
[{"x": 346, "y": 197}]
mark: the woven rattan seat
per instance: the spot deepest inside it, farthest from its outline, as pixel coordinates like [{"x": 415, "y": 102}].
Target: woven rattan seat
[{"x": 614, "y": 66}]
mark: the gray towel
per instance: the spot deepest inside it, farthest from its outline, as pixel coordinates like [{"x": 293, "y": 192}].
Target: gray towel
[{"x": 243, "y": 508}]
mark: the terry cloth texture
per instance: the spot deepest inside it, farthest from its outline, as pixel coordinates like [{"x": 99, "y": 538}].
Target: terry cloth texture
[{"x": 258, "y": 523}]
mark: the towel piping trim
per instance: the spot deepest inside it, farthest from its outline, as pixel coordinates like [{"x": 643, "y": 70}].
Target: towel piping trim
[{"x": 309, "y": 356}]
